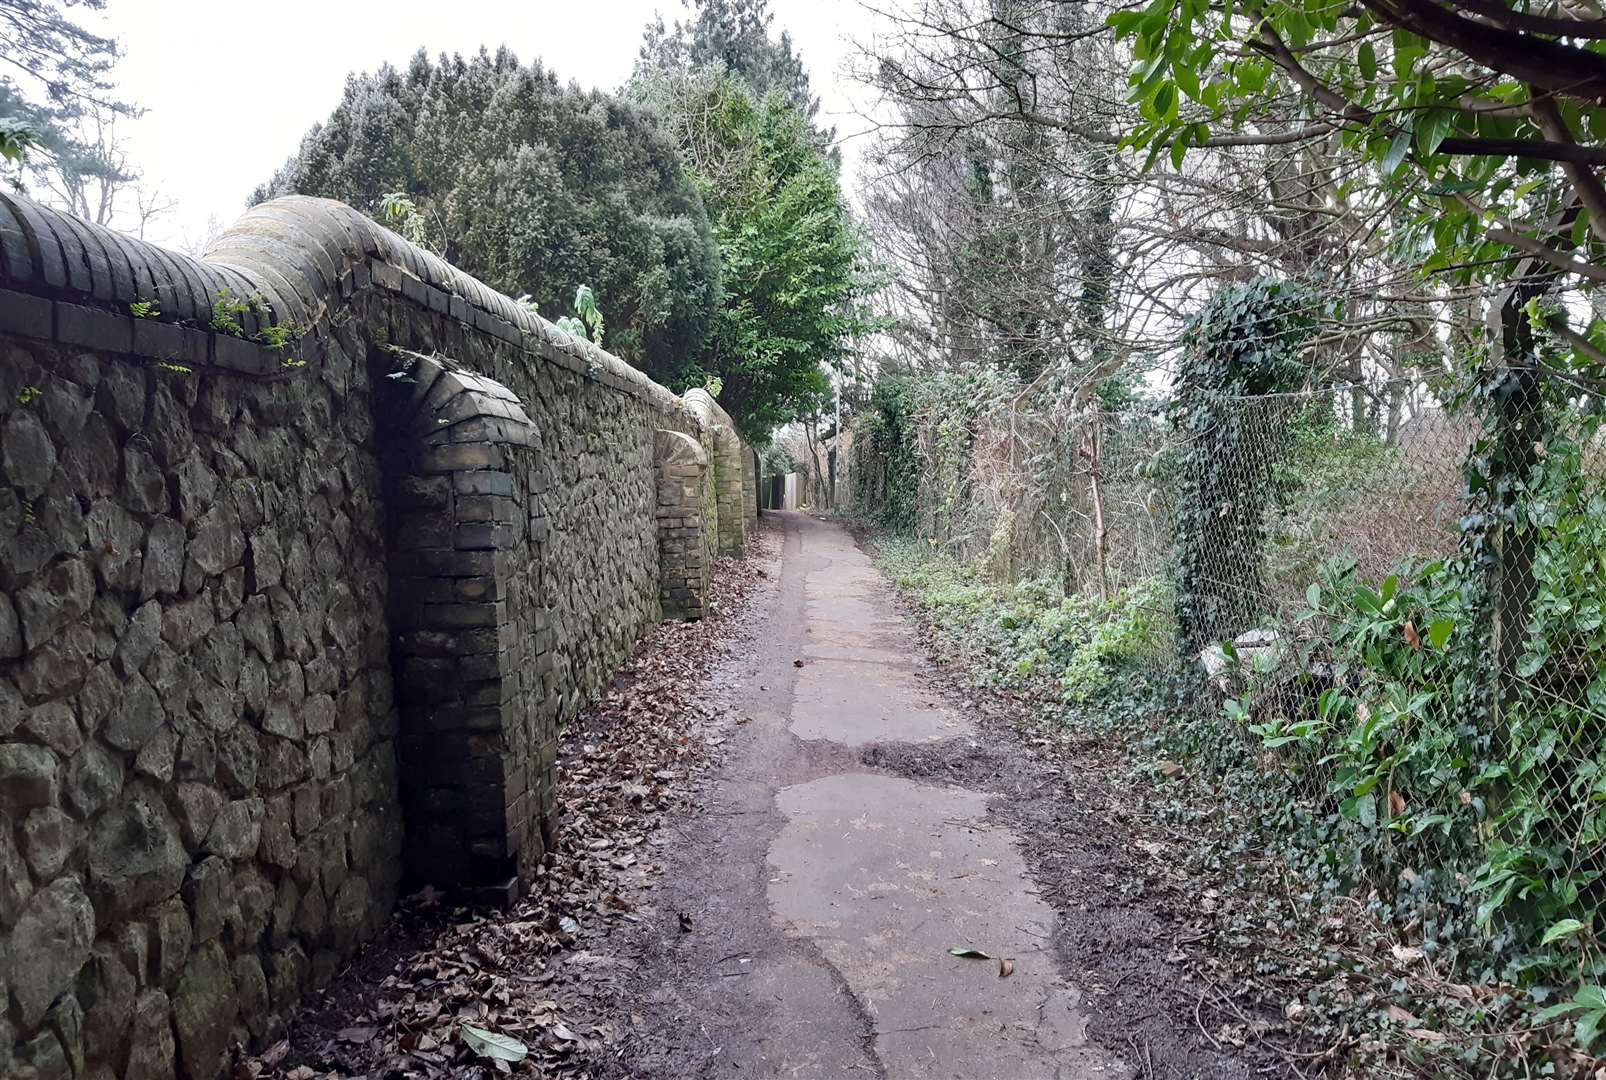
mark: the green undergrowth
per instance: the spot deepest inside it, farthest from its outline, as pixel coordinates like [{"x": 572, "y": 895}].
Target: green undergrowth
[
  {"x": 1076, "y": 652},
  {"x": 1368, "y": 940}
]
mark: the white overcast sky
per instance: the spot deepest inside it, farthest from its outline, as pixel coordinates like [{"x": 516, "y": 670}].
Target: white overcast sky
[{"x": 229, "y": 88}]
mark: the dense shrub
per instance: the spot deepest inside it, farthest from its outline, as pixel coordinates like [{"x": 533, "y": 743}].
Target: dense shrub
[
  {"x": 1028, "y": 634},
  {"x": 534, "y": 187}
]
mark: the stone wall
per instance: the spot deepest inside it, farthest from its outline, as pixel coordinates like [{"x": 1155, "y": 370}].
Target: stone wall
[
  {"x": 682, "y": 550},
  {"x": 733, "y": 512},
  {"x": 292, "y": 603}
]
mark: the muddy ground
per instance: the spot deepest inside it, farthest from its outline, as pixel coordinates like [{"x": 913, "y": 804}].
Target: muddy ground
[
  {"x": 658, "y": 955},
  {"x": 1124, "y": 934}
]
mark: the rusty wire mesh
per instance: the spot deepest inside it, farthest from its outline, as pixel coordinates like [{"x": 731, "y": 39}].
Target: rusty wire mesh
[{"x": 1349, "y": 652}]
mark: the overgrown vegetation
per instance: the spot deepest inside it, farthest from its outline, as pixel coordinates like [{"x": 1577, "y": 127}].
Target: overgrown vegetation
[
  {"x": 1418, "y": 753},
  {"x": 1354, "y": 253},
  {"x": 1019, "y": 634},
  {"x": 1244, "y": 344}
]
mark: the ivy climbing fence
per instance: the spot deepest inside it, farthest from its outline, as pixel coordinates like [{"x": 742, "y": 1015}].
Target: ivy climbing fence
[
  {"x": 1378, "y": 620},
  {"x": 1399, "y": 636}
]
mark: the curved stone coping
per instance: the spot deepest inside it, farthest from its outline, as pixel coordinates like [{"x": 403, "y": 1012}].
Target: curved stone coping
[
  {"x": 702, "y": 405},
  {"x": 677, "y": 448},
  {"x": 446, "y": 403},
  {"x": 303, "y": 256}
]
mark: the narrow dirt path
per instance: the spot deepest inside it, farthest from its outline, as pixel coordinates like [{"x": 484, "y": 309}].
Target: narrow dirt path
[{"x": 806, "y": 919}]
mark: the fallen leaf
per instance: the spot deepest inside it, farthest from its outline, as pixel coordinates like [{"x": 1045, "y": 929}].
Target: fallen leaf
[
  {"x": 969, "y": 954},
  {"x": 1398, "y": 1014},
  {"x": 493, "y": 1044},
  {"x": 1006, "y": 966},
  {"x": 1406, "y": 954}
]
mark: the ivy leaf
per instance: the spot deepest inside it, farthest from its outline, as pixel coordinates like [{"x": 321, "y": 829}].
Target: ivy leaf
[
  {"x": 1449, "y": 188},
  {"x": 1561, "y": 929},
  {"x": 1432, "y": 128},
  {"x": 1588, "y": 1027},
  {"x": 1368, "y": 61},
  {"x": 1125, "y": 23},
  {"x": 1391, "y": 588},
  {"x": 1187, "y": 79},
  {"x": 1164, "y": 104}
]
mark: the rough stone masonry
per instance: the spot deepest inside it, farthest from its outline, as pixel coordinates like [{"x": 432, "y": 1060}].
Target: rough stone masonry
[{"x": 306, "y": 549}]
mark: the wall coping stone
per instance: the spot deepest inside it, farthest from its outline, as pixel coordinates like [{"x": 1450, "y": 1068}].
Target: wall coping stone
[
  {"x": 304, "y": 256},
  {"x": 703, "y": 405}
]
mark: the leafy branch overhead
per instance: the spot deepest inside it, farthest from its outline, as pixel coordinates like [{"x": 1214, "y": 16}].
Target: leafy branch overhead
[{"x": 1480, "y": 123}]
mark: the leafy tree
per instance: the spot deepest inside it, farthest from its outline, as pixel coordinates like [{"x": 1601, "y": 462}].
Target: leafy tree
[
  {"x": 59, "y": 108},
  {"x": 534, "y": 187},
  {"x": 731, "y": 36},
  {"x": 794, "y": 273}
]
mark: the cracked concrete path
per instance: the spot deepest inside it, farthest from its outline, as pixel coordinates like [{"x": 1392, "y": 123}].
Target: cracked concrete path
[
  {"x": 884, "y": 875},
  {"x": 831, "y": 892}
]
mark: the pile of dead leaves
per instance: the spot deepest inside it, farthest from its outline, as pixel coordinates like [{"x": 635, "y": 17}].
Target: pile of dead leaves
[{"x": 447, "y": 991}]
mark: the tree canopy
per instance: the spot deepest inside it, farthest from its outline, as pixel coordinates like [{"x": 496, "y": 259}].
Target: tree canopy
[
  {"x": 535, "y": 187},
  {"x": 795, "y": 276},
  {"x": 59, "y": 109},
  {"x": 732, "y": 36}
]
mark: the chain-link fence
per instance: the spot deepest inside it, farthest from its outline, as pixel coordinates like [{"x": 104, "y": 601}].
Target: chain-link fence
[
  {"x": 1388, "y": 619},
  {"x": 1404, "y": 633}
]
